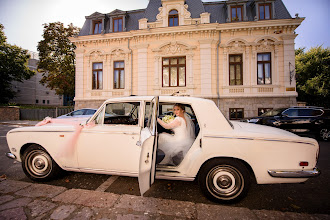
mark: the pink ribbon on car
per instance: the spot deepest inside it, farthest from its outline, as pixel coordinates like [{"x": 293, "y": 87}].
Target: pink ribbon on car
[{"x": 69, "y": 146}]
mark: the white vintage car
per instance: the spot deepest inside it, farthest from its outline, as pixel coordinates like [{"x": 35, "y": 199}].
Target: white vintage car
[{"x": 225, "y": 157}]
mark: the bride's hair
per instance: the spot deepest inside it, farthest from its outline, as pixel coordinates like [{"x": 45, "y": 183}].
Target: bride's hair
[{"x": 180, "y": 106}]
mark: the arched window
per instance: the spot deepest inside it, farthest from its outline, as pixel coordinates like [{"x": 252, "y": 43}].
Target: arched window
[{"x": 173, "y": 18}]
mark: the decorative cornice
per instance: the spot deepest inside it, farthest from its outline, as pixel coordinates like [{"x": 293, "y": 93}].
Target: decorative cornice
[
  {"x": 286, "y": 25},
  {"x": 141, "y": 46},
  {"x": 207, "y": 41},
  {"x": 289, "y": 36}
]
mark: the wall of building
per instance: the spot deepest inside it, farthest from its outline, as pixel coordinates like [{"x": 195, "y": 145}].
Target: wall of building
[
  {"x": 199, "y": 44},
  {"x": 31, "y": 92}
]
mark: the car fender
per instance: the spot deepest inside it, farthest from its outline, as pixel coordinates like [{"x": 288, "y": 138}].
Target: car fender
[
  {"x": 52, "y": 142},
  {"x": 259, "y": 155}
]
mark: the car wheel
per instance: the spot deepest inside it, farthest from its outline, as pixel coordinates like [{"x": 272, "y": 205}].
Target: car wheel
[
  {"x": 38, "y": 165},
  {"x": 224, "y": 180},
  {"x": 325, "y": 134}
]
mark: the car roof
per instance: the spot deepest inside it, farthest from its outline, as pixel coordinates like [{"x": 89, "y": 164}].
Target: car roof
[
  {"x": 186, "y": 99},
  {"x": 212, "y": 117},
  {"x": 305, "y": 107}
]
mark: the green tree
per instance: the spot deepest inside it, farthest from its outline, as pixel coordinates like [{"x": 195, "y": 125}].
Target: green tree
[
  {"x": 57, "y": 58},
  {"x": 13, "y": 67},
  {"x": 313, "y": 76}
]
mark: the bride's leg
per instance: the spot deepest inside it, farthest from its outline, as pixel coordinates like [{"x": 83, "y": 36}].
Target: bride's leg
[{"x": 165, "y": 145}]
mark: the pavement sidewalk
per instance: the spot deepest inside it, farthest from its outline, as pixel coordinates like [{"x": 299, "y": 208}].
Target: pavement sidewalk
[
  {"x": 20, "y": 123},
  {"x": 22, "y": 200}
]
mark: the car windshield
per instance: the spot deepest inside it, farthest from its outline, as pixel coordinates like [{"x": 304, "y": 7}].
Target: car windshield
[{"x": 273, "y": 112}]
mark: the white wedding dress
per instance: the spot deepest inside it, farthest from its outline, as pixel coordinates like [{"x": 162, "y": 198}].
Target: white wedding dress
[{"x": 175, "y": 146}]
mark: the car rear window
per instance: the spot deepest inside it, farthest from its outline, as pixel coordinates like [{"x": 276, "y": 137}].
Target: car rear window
[{"x": 310, "y": 112}]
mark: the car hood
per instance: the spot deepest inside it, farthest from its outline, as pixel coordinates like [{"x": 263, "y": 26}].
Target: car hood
[
  {"x": 79, "y": 117},
  {"x": 45, "y": 128}
]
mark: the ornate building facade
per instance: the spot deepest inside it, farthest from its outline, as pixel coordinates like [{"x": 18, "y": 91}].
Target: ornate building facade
[{"x": 239, "y": 53}]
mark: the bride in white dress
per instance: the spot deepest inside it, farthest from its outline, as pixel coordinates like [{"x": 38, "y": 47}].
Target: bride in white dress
[{"x": 176, "y": 146}]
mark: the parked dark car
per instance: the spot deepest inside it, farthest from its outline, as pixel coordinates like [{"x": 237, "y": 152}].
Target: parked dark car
[{"x": 307, "y": 120}]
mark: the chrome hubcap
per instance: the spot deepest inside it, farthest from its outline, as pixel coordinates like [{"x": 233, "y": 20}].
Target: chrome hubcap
[
  {"x": 225, "y": 182},
  {"x": 38, "y": 163}
]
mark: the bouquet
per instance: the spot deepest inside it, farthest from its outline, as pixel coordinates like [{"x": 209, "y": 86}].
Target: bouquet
[{"x": 168, "y": 119}]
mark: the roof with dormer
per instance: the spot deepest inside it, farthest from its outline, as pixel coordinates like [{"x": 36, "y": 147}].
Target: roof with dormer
[
  {"x": 95, "y": 15},
  {"x": 117, "y": 12},
  {"x": 218, "y": 13}
]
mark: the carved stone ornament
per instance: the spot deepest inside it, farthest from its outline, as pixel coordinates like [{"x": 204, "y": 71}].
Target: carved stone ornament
[
  {"x": 95, "y": 55},
  {"x": 118, "y": 53},
  {"x": 160, "y": 14},
  {"x": 236, "y": 46},
  {"x": 186, "y": 13},
  {"x": 174, "y": 48},
  {"x": 265, "y": 45}
]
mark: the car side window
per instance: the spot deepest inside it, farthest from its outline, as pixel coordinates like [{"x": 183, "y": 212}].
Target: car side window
[
  {"x": 167, "y": 109},
  {"x": 78, "y": 112},
  {"x": 122, "y": 113},
  {"x": 147, "y": 113},
  {"x": 305, "y": 112},
  {"x": 310, "y": 112},
  {"x": 291, "y": 112},
  {"x": 99, "y": 117}
]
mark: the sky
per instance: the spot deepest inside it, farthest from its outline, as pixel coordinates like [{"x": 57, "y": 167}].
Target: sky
[{"x": 23, "y": 19}]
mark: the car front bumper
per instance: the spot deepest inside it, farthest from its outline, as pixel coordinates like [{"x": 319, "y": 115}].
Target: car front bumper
[{"x": 295, "y": 173}]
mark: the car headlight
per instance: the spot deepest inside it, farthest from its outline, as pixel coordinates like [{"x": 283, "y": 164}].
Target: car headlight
[{"x": 253, "y": 120}]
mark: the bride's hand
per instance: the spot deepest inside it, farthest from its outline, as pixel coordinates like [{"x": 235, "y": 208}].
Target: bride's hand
[{"x": 171, "y": 125}]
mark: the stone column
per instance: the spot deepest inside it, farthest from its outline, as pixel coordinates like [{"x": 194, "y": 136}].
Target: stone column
[
  {"x": 157, "y": 74},
  {"x": 190, "y": 74},
  {"x": 142, "y": 62},
  {"x": 206, "y": 67},
  {"x": 79, "y": 93},
  {"x": 247, "y": 67},
  {"x": 289, "y": 57}
]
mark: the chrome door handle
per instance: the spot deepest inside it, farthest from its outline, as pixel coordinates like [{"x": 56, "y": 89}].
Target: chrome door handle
[{"x": 129, "y": 133}]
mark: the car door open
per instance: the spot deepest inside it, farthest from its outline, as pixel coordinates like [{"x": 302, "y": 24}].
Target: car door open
[{"x": 149, "y": 148}]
